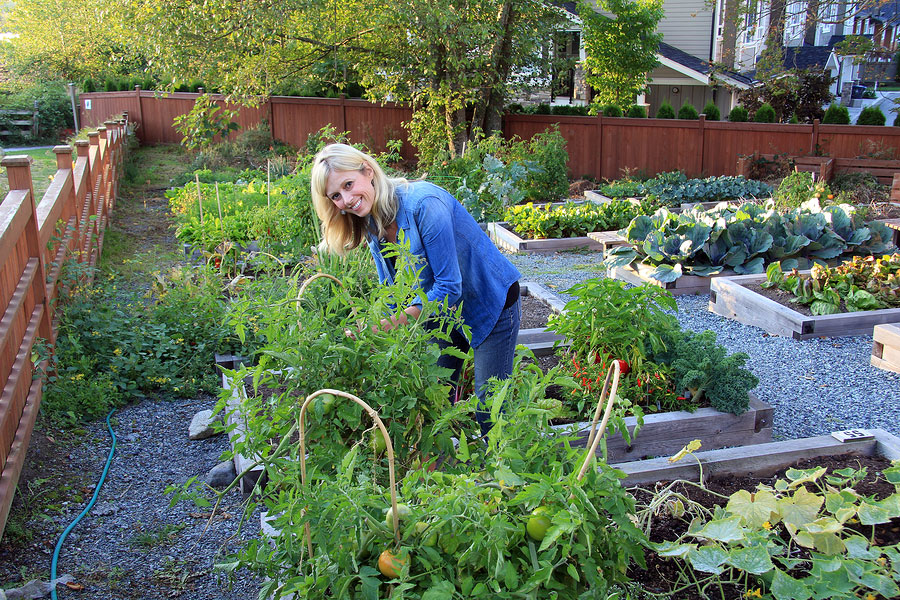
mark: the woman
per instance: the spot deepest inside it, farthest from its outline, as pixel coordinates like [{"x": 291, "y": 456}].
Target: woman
[{"x": 355, "y": 200}]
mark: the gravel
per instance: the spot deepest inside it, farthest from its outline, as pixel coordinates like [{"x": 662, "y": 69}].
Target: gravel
[
  {"x": 816, "y": 386},
  {"x": 132, "y": 544}
]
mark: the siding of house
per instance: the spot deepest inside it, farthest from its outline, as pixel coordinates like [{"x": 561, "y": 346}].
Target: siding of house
[{"x": 687, "y": 25}]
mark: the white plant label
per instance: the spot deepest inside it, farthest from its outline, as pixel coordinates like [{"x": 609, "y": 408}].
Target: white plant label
[{"x": 852, "y": 435}]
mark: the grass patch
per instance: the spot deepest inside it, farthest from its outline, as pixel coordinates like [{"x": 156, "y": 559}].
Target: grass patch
[
  {"x": 164, "y": 534},
  {"x": 42, "y": 171}
]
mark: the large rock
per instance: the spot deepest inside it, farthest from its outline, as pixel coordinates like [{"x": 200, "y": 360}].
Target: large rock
[
  {"x": 202, "y": 426},
  {"x": 221, "y": 475}
]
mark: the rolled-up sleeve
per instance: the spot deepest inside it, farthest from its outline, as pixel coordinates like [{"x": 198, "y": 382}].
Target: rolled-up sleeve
[{"x": 434, "y": 219}]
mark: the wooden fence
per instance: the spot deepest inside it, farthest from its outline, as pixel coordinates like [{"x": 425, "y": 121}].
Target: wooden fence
[
  {"x": 599, "y": 147},
  {"x": 23, "y": 122},
  {"x": 35, "y": 239}
]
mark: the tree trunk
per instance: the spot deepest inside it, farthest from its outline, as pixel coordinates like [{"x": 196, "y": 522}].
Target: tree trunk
[
  {"x": 489, "y": 108},
  {"x": 812, "y": 22}
]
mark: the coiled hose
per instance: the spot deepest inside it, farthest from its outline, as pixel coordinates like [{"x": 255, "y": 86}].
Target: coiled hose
[{"x": 85, "y": 511}]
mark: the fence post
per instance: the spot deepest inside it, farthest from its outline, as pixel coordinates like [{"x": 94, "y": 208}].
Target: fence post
[
  {"x": 94, "y": 140},
  {"x": 598, "y": 157},
  {"x": 140, "y": 112},
  {"x": 814, "y": 140},
  {"x": 34, "y": 121},
  {"x": 18, "y": 172},
  {"x": 343, "y": 113},
  {"x": 702, "y": 145}
]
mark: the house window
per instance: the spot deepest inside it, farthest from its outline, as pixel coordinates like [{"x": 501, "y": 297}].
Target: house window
[
  {"x": 750, "y": 22},
  {"x": 720, "y": 30}
]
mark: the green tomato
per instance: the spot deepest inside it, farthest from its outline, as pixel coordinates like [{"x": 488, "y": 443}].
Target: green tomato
[
  {"x": 327, "y": 402},
  {"x": 538, "y": 523},
  {"x": 378, "y": 442},
  {"x": 430, "y": 539},
  {"x": 402, "y": 513}
]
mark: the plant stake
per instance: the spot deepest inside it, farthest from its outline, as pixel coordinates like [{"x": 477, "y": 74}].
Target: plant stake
[
  {"x": 389, "y": 446},
  {"x": 199, "y": 200}
]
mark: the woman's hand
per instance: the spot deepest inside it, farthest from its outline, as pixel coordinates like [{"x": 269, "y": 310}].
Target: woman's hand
[{"x": 401, "y": 318}]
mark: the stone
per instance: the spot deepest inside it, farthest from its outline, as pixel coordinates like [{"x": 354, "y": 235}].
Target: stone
[
  {"x": 221, "y": 475},
  {"x": 202, "y": 426}
]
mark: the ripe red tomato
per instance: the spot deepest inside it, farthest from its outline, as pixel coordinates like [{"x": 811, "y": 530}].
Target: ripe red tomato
[{"x": 624, "y": 367}]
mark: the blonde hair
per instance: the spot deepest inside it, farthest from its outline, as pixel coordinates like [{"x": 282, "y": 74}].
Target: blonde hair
[{"x": 341, "y": 233}]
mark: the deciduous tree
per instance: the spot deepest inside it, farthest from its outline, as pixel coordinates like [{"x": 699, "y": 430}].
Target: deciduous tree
[{"x": 621, "y": 51}]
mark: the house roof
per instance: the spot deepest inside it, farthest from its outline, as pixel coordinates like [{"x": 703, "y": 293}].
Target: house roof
[
  {"x": 700, "y": 69},
  {"x": 808, "y": 57},
  {"x": 883, "y": 12}
]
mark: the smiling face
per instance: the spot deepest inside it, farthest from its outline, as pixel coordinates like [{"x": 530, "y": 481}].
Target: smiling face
[{"x": 351, "y": 191}]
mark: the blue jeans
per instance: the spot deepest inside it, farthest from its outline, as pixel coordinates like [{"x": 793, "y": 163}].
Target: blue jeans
[{"x": 493, "y": 358}]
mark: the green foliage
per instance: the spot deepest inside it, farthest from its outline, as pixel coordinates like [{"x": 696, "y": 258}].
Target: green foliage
[
  {"x": 280, "y": 219},
  {"x": 807, "y": 536},
  {"x": 765, "y": 114},
  {"x": 573, "y": 220},
  {"x": 738, "y": 114},
  {"x": 612, "y": 110},
  {"x": 205, "y": 121},
  {"x": 870, "y": 115},
  {"x": 687, "y": 111},
  {"x": 635, "y": 111},
  {"x": 665, "y": 111},
  {"x": 801, "y": 92},
  {"x": 569, "y": 110},
  {"x": 114, "y": 344},
  {"x": 797, "y": 188},
  {"x": 534, "y": 170},
  {"x": 620, "y": 51},
  {"x": 745, "y": 238},
  {"x": 862, "y": 283},
  {"x": 464, "y": 533},
  {"x": 711, "y": 111},
  {"x": 703, "y": 370},
  {"x": 53, "y": 107},
  {"x": 794, "y": 119},
  {"x": 836, "y": 115},
  {"x": 670, "y": 369},
  {"x": 88, "y": 86},
  {"x": 674, "y": 188}
]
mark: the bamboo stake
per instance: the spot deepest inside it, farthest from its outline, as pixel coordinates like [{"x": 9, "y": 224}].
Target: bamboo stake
[
  {"x": 390, "y": 454},
  {"x": 199, "y": 198},
  {"x": 221, "y": 219},
  {"x": 269, "y": 182},
  {"x": 595, "y": 435}
]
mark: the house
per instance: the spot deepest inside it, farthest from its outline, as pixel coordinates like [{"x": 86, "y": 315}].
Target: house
[{"x": 688, "y": 57}]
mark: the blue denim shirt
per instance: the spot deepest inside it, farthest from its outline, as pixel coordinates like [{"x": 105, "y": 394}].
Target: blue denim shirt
[{"x": 461, "y": 263}]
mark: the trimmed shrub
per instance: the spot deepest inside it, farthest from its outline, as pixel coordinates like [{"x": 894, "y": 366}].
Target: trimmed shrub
[
  {"x": 871, "y": 115},
  {"x": 712, "y": 112},
  {"x": 793, "y": 120},
  {"x": 612, "y": 110},
  {"x": 897, "y": 120},
  {"x": 665, "y": 111},
  {"x": 738, "y": 114},
  {"x": 837, "y": 115},
  {"x": 687, "y": 111},
  {"x": 88, "y": 86},
  {"x": 764, "y": 114},
  {"x": 636, "y": 111}
]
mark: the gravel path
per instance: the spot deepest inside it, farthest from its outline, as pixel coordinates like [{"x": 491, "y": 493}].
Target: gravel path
[
  {"x": 132, "y": 544},
  {"x": 817, "y": 386}
]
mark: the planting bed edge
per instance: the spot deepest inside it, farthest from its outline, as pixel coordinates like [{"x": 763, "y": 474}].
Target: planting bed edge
[{"x": 760, "y": 460}]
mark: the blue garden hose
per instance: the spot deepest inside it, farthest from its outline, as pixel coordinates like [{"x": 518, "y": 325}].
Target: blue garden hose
[{"x": 84, "y": 512}]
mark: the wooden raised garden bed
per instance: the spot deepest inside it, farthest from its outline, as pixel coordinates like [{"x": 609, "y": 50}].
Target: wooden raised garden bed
[
  {"x": 664, "y": 434},
  {"x": 639, "y": 273},
  {"x": 730, "y": 298},
  {"x": 508, "y": 239},
  {"x": 762, "y": 460},
  {"x": 608, "y": 239},
  {"x": 886, "y": 347}
]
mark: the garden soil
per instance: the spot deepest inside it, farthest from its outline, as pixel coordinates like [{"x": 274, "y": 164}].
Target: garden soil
[{"x": 132, "y": 544}]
